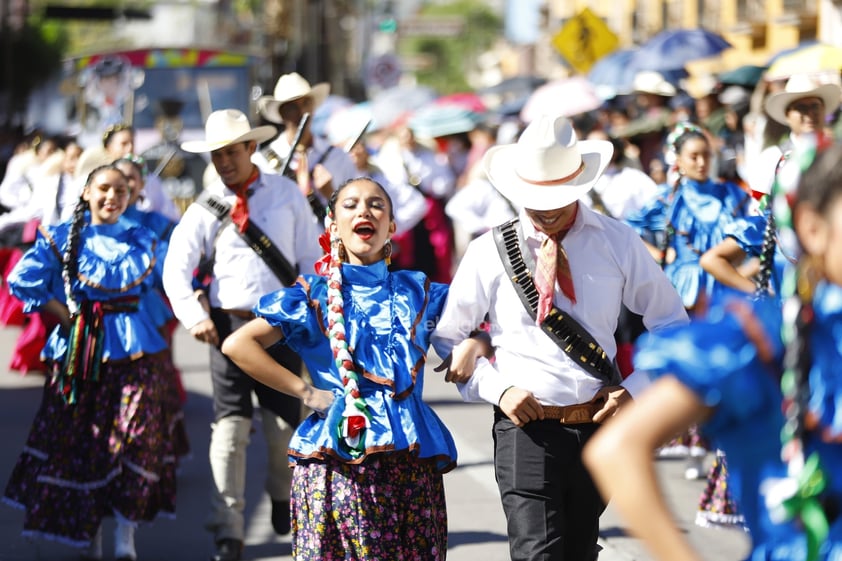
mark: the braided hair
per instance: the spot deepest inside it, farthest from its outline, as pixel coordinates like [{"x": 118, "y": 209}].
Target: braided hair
[
  {"x": 356, "y": 416},
  {"x": 815, "y": 182}
]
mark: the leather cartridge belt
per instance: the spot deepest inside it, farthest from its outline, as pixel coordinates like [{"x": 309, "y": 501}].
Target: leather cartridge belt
[{"x": 572, "y": 414}]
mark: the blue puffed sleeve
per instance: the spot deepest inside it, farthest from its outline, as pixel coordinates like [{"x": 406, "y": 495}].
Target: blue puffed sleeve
[
  {"x": 715, "y": 358},
  {"x": 292, "y": 310},
  {"x": 36, "y": 277},
  {"x": 748, "y": 232}
]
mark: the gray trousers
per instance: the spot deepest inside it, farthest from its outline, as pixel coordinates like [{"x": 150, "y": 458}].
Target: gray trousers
[{"x": 233, "y": 393}]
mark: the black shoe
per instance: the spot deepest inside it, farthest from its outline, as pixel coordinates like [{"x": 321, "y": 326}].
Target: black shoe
[
  {"x": 280, "y": 517},
  {"x": 228, "y": 550}
]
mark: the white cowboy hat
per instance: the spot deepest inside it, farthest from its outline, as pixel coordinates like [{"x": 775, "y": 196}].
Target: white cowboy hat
[
  {"x": 800, "y": 86},
  {"x": 289, "y": 88},
  {"x": 649, "y": 81},
  {"x": 547, "y": 168},
  {"x": 225, "y": 127}
]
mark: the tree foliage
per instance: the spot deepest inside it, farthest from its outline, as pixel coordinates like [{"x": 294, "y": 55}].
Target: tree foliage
[{"x": 452, "y": 59}]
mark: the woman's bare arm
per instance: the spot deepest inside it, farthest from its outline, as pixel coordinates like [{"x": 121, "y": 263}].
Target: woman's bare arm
[
  {"x": 620, "y": 459},
  {"x": 722, "y": 261},
  {"x": 247, "y": 348}
]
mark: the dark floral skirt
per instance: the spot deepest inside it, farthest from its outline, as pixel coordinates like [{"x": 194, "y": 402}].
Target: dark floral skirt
[
  {"x": 717, "y": 507},
  {"x": 390, "y": 507},
  {"x": 111, "y": 453}
]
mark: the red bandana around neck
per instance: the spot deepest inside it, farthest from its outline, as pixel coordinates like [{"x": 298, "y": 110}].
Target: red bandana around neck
[{"x": 240, "y": 212}]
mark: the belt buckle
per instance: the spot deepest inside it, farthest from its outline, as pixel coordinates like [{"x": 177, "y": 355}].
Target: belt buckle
[{"x": 575, "y": 415}]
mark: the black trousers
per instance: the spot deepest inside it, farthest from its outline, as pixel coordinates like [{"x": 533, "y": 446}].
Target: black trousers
[
  {"x": 232, "y": 388},
  {"x": 551, "y": 504}
]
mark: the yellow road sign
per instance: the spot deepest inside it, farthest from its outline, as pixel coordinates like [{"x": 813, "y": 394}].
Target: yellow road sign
[{"x": 584, "y": 39}]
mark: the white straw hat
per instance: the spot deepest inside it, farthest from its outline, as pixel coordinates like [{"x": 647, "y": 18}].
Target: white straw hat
[
  {"x": 800, "y": 86},
  {"x": 225, "y": 127},
  {"x": 290, "y": 87},
  {"x": 547, "y": 168}
]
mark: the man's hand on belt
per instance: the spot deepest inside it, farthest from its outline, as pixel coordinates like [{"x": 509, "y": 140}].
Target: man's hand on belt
[
  {"x": 205, "y": 331},
  {"x": 520, "y": 406},
  {"x": 613, "y": 397}
]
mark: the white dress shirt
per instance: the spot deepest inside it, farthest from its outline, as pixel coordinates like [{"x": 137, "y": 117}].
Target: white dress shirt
[
  {"x": 623, "y": 190},
  {"x": 240, "y": 276},
  {"x": 432, "y": 169},
  {"x": 609, "y": 265}
]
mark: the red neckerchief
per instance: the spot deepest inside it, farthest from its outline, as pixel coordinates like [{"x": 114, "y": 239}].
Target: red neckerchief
[{"x": 240, "y": 212}]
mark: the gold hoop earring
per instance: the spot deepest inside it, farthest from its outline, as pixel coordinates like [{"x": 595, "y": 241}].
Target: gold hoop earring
[{"x": 387, "y": 252}]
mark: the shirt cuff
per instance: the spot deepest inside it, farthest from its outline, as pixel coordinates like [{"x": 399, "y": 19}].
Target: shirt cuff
[
  {"x": 636, "y": 382},
  {"x": 487, "y": 384}
]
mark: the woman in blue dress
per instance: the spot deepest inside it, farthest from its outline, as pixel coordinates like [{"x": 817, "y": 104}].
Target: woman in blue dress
[
  {"x": 688, "y": 219},
  {"x": 690, "y": 216},
  {"x": 367, "y": 482},
  {"x": 101, "y": 442},
  {"x": 725, "y": 371}
]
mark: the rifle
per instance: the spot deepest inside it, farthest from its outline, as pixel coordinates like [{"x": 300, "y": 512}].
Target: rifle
[
  {"x": 315, "y": 204},
  {"x": 295, "y": 142},
  {"x": 353, "y": 142}
]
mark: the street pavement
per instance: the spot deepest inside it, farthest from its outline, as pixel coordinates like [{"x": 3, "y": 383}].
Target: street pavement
[{"x": 477, "y": 527}]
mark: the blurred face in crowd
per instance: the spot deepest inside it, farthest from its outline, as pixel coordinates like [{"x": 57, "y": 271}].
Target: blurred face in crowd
[
  {"x": 694, "y": 158},
  {"x": 291, "y": 113},
  {"x": 71, "y": 158},
  {"x": 233, "y": 162},
  {"x": 805, "y": 115},
  {"x": 359, "y": 155},
  {"x": 121, "y": 143},
  {"x": 135, "y": 179},
  {"x": 45, "y": 149}
]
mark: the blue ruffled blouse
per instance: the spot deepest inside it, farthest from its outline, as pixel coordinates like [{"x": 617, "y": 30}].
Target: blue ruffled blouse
[
  {"x": 698, "y": 212},
  {"x": 115, "y": 261},
  {"x": 714, "y": 357},
  {"x": 388, "y": 320}
]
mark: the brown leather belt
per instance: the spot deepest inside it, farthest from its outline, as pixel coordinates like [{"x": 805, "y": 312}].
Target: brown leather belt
[
  {"x": 242, "y": 314},
  {"x": 572, "y": 414}
]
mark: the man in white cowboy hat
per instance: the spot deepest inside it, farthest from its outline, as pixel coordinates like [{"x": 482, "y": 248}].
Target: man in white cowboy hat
[
  {"x": 802, "y": 106},
  {"x": 552, "y": 331},
  {"x": 317, "y": 166},
  {"x": 216, "y": 236}
]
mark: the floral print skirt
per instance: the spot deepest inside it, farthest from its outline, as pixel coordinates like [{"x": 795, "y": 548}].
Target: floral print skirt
[
  {"x": 113, "y": 452},
  {"x": 391, "y": 507},
  {"x": 717, "y": 507}
]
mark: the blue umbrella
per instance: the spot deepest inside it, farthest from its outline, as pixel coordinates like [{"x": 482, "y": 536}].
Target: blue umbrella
[
  {"x": 613, "y": 74},
  {"x": 674, "y": 48}
]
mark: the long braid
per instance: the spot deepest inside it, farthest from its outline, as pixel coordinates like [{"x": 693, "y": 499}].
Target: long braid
[
  {"x": 767, "y": 250},
  {"x": 767, "y": 255},
  {"x": 69, "y": 260}
]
